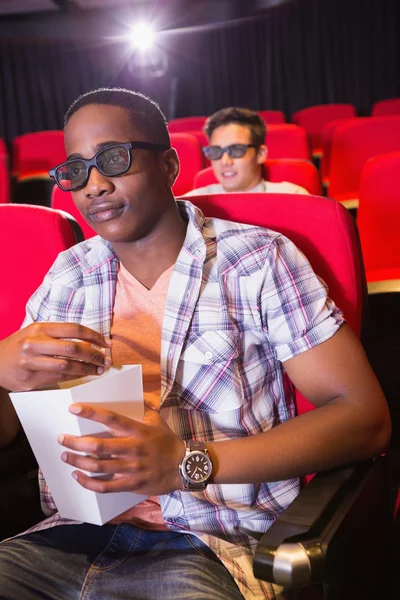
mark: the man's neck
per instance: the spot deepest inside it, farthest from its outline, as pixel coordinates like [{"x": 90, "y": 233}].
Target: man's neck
[{"x": 148, "y": 258}]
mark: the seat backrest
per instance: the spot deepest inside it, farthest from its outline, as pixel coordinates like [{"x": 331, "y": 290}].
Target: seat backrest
[
  {"x": 314, "y": 118},
  {"x": 287, "y": 141},
  {"x": 327, "y": 136},
  {"x": 186, "y": 124},
  {"x": 320, "y": 227},
  {"x": 378, "y": 215},
  {"x": 4, "y": 180},
  {"x": 32, "y": 237},
  {"x": 190, "y": 158},
  {"x": 203, "y": 141},
  {"x": 63, "y": 201},
  {"x": 36, "y": 153},
  {"x": 272, "y": 116},
  {"x": 384, "y": 108},
  {"x": 353, "y": 144},
  {"x": 3, "y": 149},
  {"x": 300, "y": 172}
]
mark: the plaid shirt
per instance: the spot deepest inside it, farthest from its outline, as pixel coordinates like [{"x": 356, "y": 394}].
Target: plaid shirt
[{"x": 241, "y": 301}]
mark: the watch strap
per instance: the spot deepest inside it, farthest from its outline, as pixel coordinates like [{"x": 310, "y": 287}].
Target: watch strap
[{"x": 191, "y": 446}]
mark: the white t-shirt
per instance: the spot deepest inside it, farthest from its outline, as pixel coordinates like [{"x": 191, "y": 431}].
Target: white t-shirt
[{"x": 269, "y": 187}]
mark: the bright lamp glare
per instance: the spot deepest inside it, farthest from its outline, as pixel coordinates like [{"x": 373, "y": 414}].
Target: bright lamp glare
[{"x": 142, "y": 36}]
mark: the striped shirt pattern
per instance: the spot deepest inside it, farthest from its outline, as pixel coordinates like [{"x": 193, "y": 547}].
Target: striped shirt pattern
[{"x": 241, "y": 301}]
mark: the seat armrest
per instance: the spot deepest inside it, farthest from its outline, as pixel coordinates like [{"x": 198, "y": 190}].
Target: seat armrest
[{"x": 294, "y": 551}]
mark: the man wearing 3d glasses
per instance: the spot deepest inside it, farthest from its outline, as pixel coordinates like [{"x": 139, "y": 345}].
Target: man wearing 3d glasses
[
  {"x": 237, "y": 152},
  {"x": 217, "y": 313}
]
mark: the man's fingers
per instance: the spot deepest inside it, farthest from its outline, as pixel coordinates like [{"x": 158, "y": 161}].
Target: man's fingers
[
  {"x": 76, "y": 350},
  {"x": 119, "y": 423},
  {"x": 72, "y": 331},
  {"x": 96, "y": 465},
  {"x": 98, "y": 446},
  {"x": 62, "y": 367},
  {"x": 105, "y": 485}
]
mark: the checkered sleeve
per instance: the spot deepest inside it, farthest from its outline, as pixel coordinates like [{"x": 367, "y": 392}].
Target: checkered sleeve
[
  {"x": 38, "y": 305},
  {"x": 296, "y": 311}
]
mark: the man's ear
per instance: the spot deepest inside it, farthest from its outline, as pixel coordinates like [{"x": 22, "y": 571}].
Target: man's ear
[
  {"x": 262, "y": 154},
  {"x": 171, "y": 166}
]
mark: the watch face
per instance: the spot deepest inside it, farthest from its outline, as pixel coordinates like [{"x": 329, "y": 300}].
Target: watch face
[{"x": 197, "y": 467}]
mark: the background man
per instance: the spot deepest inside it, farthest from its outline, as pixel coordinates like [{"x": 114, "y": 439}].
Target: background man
[{"x": 237, "y": 152}]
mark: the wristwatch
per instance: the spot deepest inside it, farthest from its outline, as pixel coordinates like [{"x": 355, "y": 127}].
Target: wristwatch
[{"x": 195, "y": 467}]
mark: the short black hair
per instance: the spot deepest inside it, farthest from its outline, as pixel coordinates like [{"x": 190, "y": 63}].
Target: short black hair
[
  {"x": 241, "y": 116},
  {"x": 146, "y": 115}
]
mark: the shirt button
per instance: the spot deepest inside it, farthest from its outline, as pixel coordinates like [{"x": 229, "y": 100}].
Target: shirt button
[{"x": 208, "y": 354}]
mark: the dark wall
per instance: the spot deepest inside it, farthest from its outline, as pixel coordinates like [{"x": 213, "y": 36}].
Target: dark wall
[{"x": 294, "y": 54}]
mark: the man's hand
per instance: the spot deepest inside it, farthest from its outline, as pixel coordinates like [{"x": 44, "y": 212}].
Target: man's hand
[
  {"x": 45, "y": 353},
  {"x": 141, "y": 457}
]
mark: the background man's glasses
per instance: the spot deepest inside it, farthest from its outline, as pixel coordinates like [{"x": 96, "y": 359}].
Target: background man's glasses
[
  {"x": 111, "y": 161},
  {"x": 234, "y": 151}
]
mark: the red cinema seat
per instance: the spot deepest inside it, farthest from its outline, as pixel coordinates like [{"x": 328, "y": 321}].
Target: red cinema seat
[
  {"x": 4, "y": 180},
  {"x": 323, "y": 529},
  {"x": 203, "y": 141},
  {"x": 353, "y": 144},
  {"x": 63, "y": 201},
  {"x": 272, "y": 117},
  {"x": 287, "y": 141},
  {"x": 300, "y": 172},
  {"x": 36, "y": 153},
  {"x": 327, "y": 137},
  {"x": 378, "y": 220},
  {"x": 190, "y": 158},
  {"x": 385, "y": 108},
  {"x": 314, "y": 118},
  {"x": 200, "y": 136},
  {"x": 186, "y": 124},
  {"x": 33, "y": 155},
  {"x": 378, "y": 216},
  {"x": 3, "y": 149},
  {"x": 34, "y": 235}
]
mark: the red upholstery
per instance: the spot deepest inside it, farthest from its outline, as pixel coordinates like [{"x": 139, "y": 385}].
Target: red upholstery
[
  {"x": 4, "y": 180},
  {"x": 320, "y": 227},
  {"x": 4, "y": 173},
  {"x": 327, "y": 136},
  {"x": 200, "y": 136},
  {"x": 191, "y": 161},
  {"x": 385, "y": 108},
  {"x": 287, "y": 141},
  {"x": 203, "y": 141},
  {"x": 378, "y": 216},
  {"x": 36, "y": 153},
  {"x": 32, "y": 237},
  {"x": 272, "y": 116},
  {"x": 301, "y": 172},
  {"x": 63, "y": 201},
  {"x": 314, "y": 119},
  {"x": 3, "y": 149},
  {"x": 186, "y": 124},
  {"x": 353, "y": 144}
]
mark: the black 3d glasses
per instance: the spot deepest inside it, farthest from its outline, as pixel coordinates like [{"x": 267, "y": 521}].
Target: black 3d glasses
[
  {"x": 234, "y": 151},
  {"x": 111, "y": 161}
]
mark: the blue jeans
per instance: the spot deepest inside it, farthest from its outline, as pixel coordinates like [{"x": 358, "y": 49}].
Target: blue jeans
[{"x": 112, "y": 562}]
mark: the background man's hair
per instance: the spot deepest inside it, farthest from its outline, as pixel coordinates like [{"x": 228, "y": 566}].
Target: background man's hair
[
  {"x": 146, "y": 115},
  {"x": 241, "y": 116}
]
